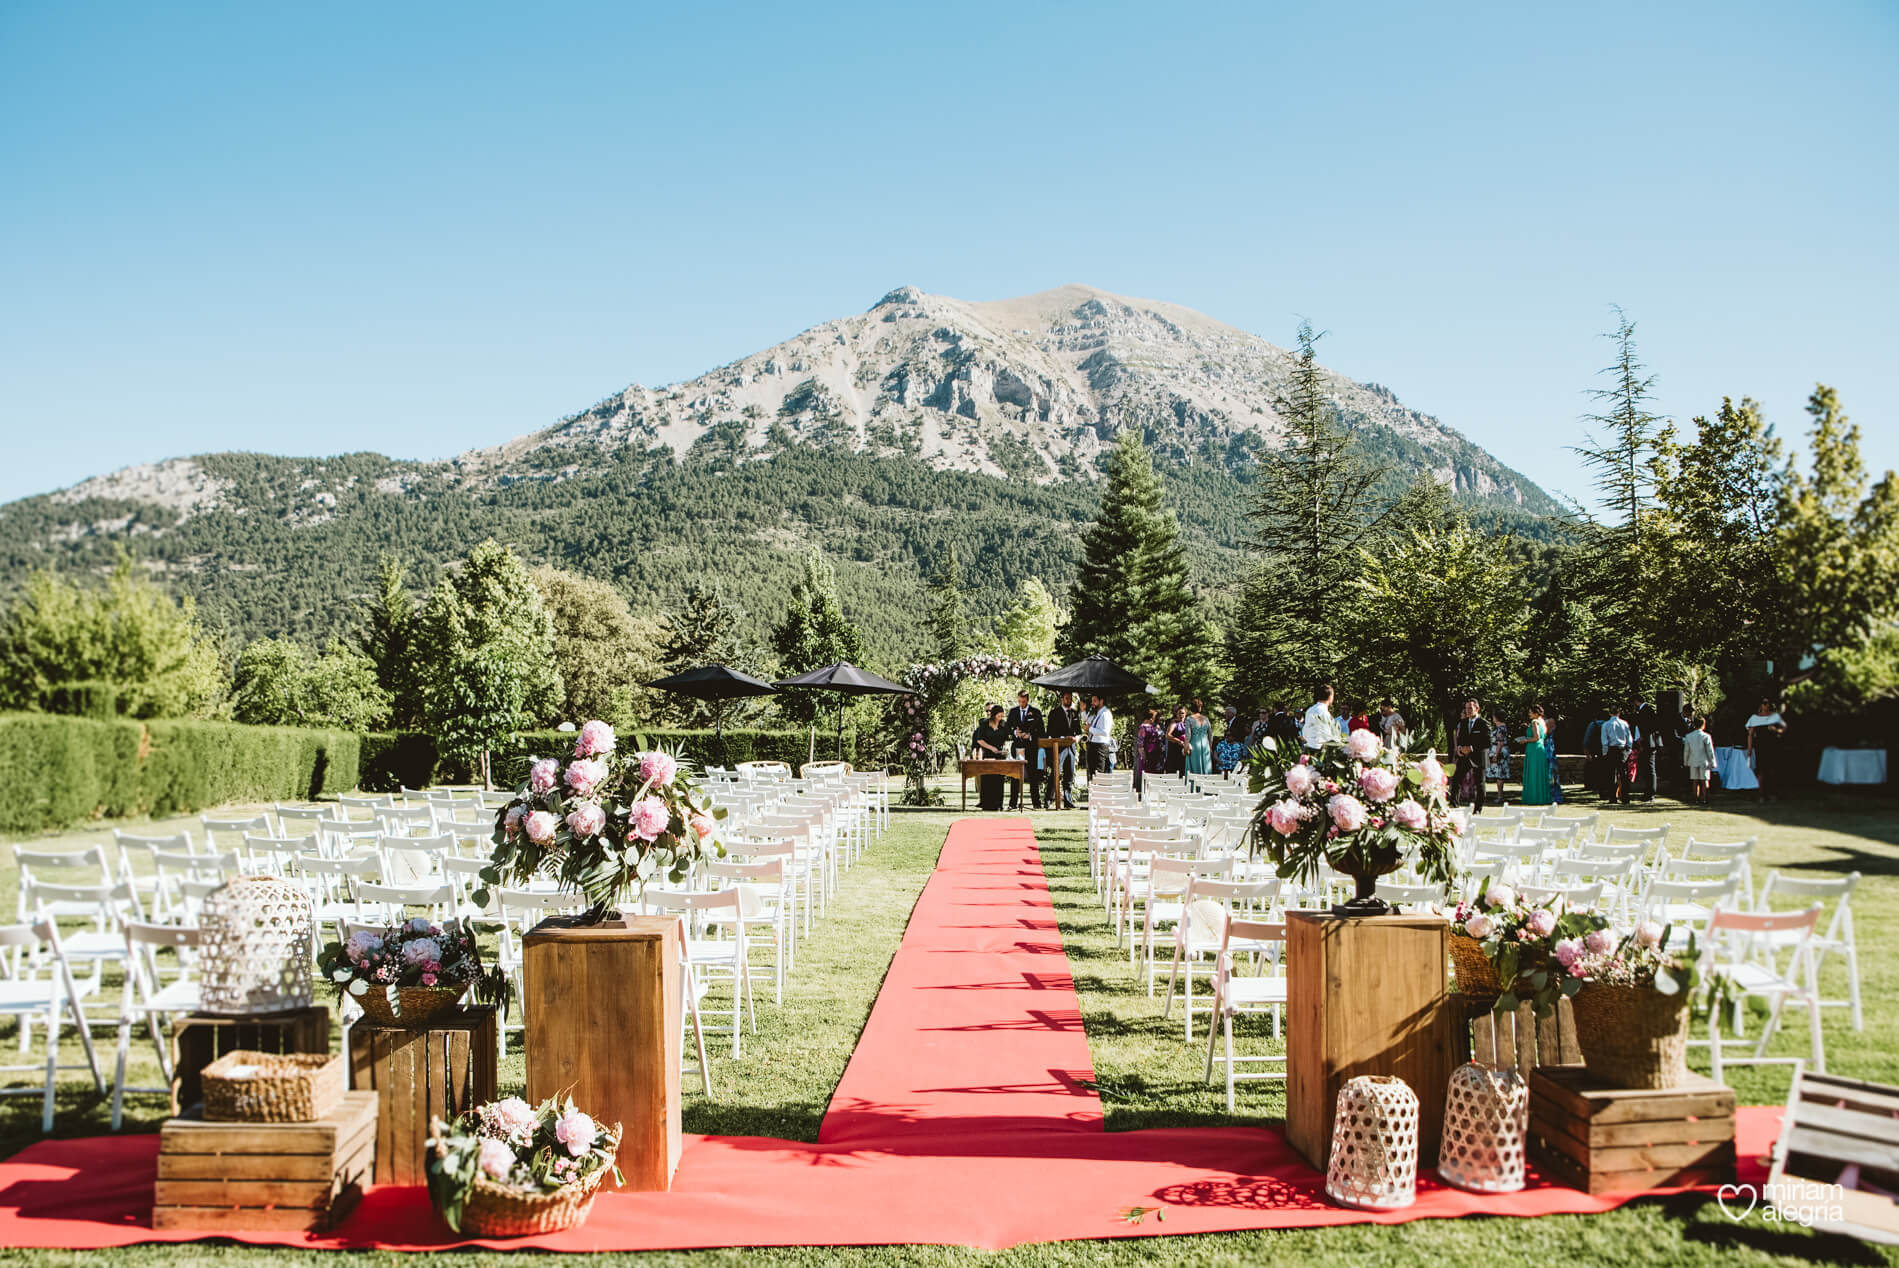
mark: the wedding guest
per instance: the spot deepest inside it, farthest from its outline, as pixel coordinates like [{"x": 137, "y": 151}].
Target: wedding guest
[
  {"x": 1765, "y": 729},
  {"x": 1469, "y": 745},
  {"x": 1150, "y": 747},
  {"x": 1231, "y": 750},
  {"x": 1260, "y": 729},
  {"x": 1497, "y": 760},
  {"x": 1357, "y": 720},
  {"x": 1536, "y": 760},
  {"x": 1064, "y": 722},
  {"x": 1199, "y": 742},
  {"x": 1100, "y": 737},
  {"x": 1618, "y": 738},
  {"x": 1284, "y": 728},
  {"x": 1025, "y": 744},
  {"x": 1319, "y": 727},
  {"x": 991, "y": 741},
  {"x": 1392, "y": 726},
  {"x": 1177, "y": 741},
  {"x": 1697, "y": 758},
  {"x": 1647, "y": 723}
]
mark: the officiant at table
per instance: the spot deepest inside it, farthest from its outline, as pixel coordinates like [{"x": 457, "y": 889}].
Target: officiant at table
[
  {"x": 991, "y": 741},
  {"x": 1064, "y": 722},
  {"x": 1024, "y": 725}
]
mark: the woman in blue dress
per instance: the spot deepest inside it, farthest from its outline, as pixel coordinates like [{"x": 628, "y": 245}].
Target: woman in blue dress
[
  {"x": 1536, "y": 760},
  {"x": 1199, "y": 742}
]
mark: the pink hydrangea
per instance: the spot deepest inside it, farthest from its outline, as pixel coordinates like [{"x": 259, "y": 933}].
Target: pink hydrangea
[
  {"x": 1599, "y": 941},
  {"x": 1432, "y": 772},
  {"x": 1366, "y": 745},
  {"x": 1542, "y": 922},
  {"x": 1478, "y": 926},
  {"x": 1299, "y": 780},
  {"x": 1500, "y": 896},
  {"x": 496, "y": 1159},
  {"x": 1570, "y": 950},
  {"x": 586, "y": 819},
  {"x": 361, "y": 945},
  {"x": 422, "y": 951},
  {"x": 540, "y": 826},
  {"x": 586, "y": 775},
  {"x": 596, "y": 739},
  {"x": 1348, "y": 812},
  {"x": 543, "y": 775},
  {"x": 575, "y": 1131},
  {"x": 658, "y": 768},
  {"x": 649, "y": 818},
  {"x": 1409, "y": 814},
  {"x": 1376, "y": 782},
  {"x": 1649, "y": 934},
  {"x": 1284, "y": 817}
]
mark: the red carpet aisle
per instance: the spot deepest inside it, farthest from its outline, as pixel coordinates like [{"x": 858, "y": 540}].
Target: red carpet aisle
[{"x": 963, "y": 1118}]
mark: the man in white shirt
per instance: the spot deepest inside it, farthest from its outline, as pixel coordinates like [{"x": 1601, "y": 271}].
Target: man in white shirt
[
  {"x": 1100, "y": 737},
  {"x": 1618, "y": 737},
  {"x": 1319, "y": 727}
]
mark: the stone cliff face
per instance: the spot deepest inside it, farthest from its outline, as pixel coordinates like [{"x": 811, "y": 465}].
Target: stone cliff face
[{"x": 1032, "y": 387}]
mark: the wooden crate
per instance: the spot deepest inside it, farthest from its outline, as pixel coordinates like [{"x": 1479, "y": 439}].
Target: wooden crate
[
  {"x": 1522, "y": 1040},
  {"x": 265, "y": 1175},
  {"x": 1366, "y": 995},
  {"x": 200, "y": 1039},
  {"x": 603, "y": 1025},
  {"x": 1601, "y": 1139},
  {"x": 436, "y": 1071}
]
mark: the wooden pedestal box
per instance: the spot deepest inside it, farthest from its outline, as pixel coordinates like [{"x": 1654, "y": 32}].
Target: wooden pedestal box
[
  {"x": 435, "y": 1071},
  {"x": 1624, "y": 1140},
  {"x": 241, "y": 1176},
  {"x": 200, "y": 1039},
  {"x": 603, "y": 1026},
  {"x": 1366, "y": 995}
]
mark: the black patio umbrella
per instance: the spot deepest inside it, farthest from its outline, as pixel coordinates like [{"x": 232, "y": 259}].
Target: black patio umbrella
[
  {"x": 847, "y": 680},
  {"x": 1094, "y": 674},
  {"x": 714, "y": 682}
]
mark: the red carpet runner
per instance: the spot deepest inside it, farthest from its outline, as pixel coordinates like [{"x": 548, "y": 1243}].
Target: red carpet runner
[{"x": 963, "y": 1118}]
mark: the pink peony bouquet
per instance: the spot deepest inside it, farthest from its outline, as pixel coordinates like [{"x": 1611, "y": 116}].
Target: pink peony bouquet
[
  {"x": 509, "y": 1144},
  {"x": 417, "y": 952},
  {"x": 1357, "y": 804},
  {"x": 602, "y": 823}
]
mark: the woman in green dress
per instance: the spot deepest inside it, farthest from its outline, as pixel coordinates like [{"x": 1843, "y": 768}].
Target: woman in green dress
[
  {"x": 1199, "y": 742},
  {"x": 1536, "y": 760}
]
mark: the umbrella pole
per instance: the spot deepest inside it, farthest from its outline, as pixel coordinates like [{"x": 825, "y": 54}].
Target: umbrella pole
[{"x": 840, "y": 728}]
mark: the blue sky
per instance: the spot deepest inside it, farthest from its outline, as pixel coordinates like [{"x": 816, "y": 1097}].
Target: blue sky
[{"x": 423, "y": 228}]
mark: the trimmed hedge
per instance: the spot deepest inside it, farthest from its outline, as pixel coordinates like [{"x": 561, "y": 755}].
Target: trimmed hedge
[
  {"x": 58, "y": 771},
  {"x": 393, "y": 759}
]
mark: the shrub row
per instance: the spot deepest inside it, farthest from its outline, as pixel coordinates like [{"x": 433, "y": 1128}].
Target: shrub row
[
  {"x": 58, "y": 771},
  {"x": 395, "y": 759}
]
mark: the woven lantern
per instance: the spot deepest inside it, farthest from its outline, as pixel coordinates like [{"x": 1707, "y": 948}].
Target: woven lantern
[
  {"x": 1486, "y": 1115},
  {"x": 257, "y": 947},
  {"x": 1374, "y": 1145}
]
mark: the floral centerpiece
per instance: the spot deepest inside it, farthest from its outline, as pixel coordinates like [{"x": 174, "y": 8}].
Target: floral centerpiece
[
  {"x": 407, "y": 973},
  {"x": 1633, "y": 1003},
  {"x": 507, "y": 1168},
  {"x": 1358, "y": 805},
  {"x": 602, "y": 824},
  {"x": 1504, "y": 948}
]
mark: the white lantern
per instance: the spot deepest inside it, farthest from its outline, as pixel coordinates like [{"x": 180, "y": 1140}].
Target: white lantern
[
  {"x": 257, "y": 948},
  {"x": 1486, "y": 1116},
  {"x": 1374, "y": 1161}
]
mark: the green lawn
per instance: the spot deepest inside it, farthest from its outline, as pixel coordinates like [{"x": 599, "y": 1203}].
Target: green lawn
[{"x": 1149, "y": 1077}]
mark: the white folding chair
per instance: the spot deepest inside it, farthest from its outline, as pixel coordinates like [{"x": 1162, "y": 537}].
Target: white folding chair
[
  {"x": 1739, "y": 855},
  {"x": 1740, "y": 946},
  {"x": 1234, "y": 994},
  {"x": 1654, "y": 841},
  {"x": 226, "y": 836},
  {"x": 417, "y": 860},
  {"x": 1839, "y": 935},
  {"x": 1201, "y": 932},
  {"x": 714, "y": 957},
  {"x": 387, "y": 905},
  {"x": 146, "y": 994},
  {"x": 41, "y": 989},
  {"x": 763, "y": 905}
]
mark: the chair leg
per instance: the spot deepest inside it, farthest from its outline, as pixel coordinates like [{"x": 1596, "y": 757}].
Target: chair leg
[
  {"x": 1186, "y": 1003},
  {"x": 1213, "y": 1033},
  {"x": 1852, "y": 985},
  {"x": 118, "y": 1071},
  {"x": 1173, "y": 975},
  {"x": 1819, "y": 1039},
  {"x": 1227, "y": 1026},
  {"x": 1714, "y": 1042},
  {"x": 1773, "y": 1024}
]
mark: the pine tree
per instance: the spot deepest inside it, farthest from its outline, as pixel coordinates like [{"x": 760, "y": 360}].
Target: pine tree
[
  {"x": 701, "y": 632},
  {"x": 385, "y": 637},
  {"x": 1027, "y": 630},
  {"x": 949, "y": 626},
  {"x": 1313, "y": 512},
  {"x": 813, "y": 633}
]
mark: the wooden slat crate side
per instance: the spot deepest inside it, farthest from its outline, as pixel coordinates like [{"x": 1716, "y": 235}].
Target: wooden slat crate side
[
  {"x": 1572, "y": 1089},
  {"x": 1549, "y": 1117},
  {"x": 1565, "y": 1171},
  {"x": 1658, "y": 1157},
  {"x": 420, "y": 1075},
  {"x": 244, "y": 1166},
  {"x": 213, "y": 1219},
  {"x": 352, "y": 1118},
  {"x": 311, "y": 1195}
]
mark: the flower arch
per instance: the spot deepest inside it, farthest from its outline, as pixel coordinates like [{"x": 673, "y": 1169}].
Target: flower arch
[{"x": 933, "y": 684}]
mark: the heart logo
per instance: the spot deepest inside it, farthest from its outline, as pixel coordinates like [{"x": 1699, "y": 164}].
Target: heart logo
[{"x": 1722, "y": 1194}]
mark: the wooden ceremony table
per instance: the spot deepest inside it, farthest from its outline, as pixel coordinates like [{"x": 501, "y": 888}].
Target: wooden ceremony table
[{"x": 977, "y": 767}]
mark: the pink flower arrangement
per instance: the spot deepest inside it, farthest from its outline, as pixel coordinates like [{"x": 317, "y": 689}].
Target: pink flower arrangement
[
  {"x": 702, "y": 826},
  {"x": 1408, "y": 813},
  {"x": 1478, "y": 926},
  {"x": 540, "y": 826},
  {"x": 1542, "y": 922},
  {"x": 1649, "y": 934},
  {"x": 596, "y": 739},
  {"x": 1299, "y": 780},
  {"x": 511, "y": 1118},
  {"x": 1285, "y": 817},
  {"x": 1500, "y": 896},
  {"x": 586, "y": 819},
  {"x": 533, "y": 1150},
  {"x": 511, "y": 822},
  {"x": 1365, "y": 745},
  {"x": 1431, "y": 771},
  {"x": 543, "y": 775},
  {"x": 585, "y": 775},
  {"x": 658, "y": 768},
  {"x": 1599, "y": 941},
  {"x": 1570, "y": 950},
  {"x": 1348, "y": 812},
  {"x": 1377, "y": 783},
  {"x": 496, "y": 1159},
  {"x": 649, "y": 818}
]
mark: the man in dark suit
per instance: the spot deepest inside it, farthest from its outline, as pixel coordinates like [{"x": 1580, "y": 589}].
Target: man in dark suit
[
  {"x": 1470, "y": 745},
  {"x": 1063, "y": 720},
  {"x": 1284, "y": 728},
  {"x": 1648, "y": 746},
  {"x": 1024, "y": 725}
]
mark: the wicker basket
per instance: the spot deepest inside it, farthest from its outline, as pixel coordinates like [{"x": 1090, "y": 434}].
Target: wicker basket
[
  {"x": 272, "y": 1087},
  {"x": 494, "y": 1210},
  {"x": 1633, "y": 1036},
  {"x": 413, "y": 1007},
  {"x": 1476, "y": 976}
]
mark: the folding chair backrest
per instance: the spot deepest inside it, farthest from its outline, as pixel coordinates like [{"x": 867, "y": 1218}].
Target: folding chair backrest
[
  {"x": 1817, "y": 889},
  {"x": 1240, "y": 929},
  {"x": 1645, "y": 837},
  {"x": 139, "y": 934}
]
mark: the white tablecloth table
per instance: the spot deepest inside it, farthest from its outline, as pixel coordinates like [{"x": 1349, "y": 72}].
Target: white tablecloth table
[
  {"x": 1853, "y": 766},
  {"x": 1732, "y": 766}
]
